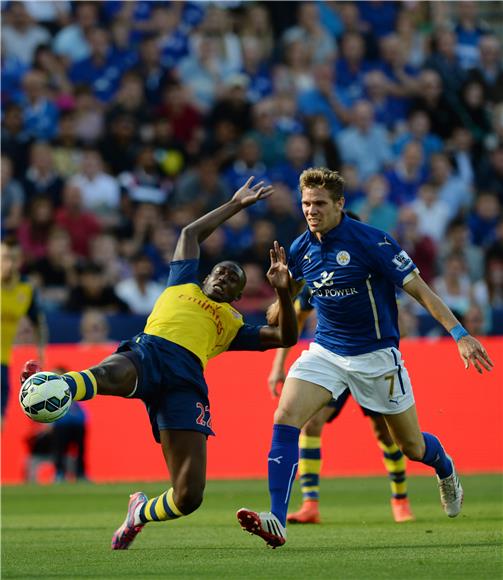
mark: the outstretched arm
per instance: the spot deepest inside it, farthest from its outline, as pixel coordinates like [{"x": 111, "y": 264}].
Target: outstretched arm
[
  {"x": 196, "y": 232},
  {"x": 286, "y": 332},
  {"x": 470, "y": 349}
]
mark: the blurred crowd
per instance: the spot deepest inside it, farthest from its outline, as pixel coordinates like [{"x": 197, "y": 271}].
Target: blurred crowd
[{"x": 124, "y": 121}]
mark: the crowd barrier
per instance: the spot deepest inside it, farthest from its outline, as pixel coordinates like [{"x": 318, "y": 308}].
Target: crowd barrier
[{"x": 462, "y": 407}]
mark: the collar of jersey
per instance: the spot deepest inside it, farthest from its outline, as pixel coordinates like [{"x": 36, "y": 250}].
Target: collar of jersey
[{"x": 333, "y": 234}]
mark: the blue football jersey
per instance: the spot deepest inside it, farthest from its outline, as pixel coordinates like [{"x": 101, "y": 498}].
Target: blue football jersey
[{"x": 352, "y": 274}]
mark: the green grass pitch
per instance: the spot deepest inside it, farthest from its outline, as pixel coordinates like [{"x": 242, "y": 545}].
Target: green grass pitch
[{"x": 64, "y": 531}]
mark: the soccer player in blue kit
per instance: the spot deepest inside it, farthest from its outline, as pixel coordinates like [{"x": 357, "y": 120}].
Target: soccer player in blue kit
[
  {"x": 164, "y": 365},
  {"x": 352, "y": 270}
]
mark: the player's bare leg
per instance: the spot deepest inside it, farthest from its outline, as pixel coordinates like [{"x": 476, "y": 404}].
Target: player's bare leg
[
  {"x": 394, "y": 462},
  {"x": 426, "y": 448},
  {"x": 185, "y": 455},
  {"x": 309, "y": 469}
]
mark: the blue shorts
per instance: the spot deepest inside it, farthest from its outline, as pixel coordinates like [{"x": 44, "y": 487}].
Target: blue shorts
[
  {"x": 338, "y": 405},
  {"x": 5, "y": 388},
  {"x": 170, "y": 383}
]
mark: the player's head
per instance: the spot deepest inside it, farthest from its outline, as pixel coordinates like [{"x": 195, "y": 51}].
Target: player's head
[
  {"x": 322, "y": 198},
  {"x": 11, "y": 259},
  {"x": 225, "y": 282}
]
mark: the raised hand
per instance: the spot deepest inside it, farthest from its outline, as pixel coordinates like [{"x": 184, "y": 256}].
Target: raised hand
[
  {"x": 472, "y": 352},
  {"x": 250, "y": 194},
  {"x": 278, "y": 274}
]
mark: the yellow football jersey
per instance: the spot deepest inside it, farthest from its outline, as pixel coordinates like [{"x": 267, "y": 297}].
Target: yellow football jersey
[
  {"x": 17, "y": 301},
  {"x": 183, "y": 314}
]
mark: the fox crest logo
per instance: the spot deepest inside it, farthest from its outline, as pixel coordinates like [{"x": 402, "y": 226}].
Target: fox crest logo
[
  {"x": 326, "y": 280},
  {"x": 343, "y": 258}
]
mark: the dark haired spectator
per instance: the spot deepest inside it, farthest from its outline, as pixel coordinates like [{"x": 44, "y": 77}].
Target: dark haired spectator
[
  {"x": 41, "y": 177},
  {"x": 431, "y": 100},
  {"x": 154, "y": 75},
  {"x": 104, "y": 251},
  {"x": 284, "y": 213},
  {"x": 474, "y": 113},
  {"x": 130, "y": 100},
  {"x": 233, "y": 105},
  {"x": 91, "y": 291},
  {"x": 351, "y": 65},
  {"x": 35, "y": 228},
  {"x": 66, "y": 147},
  {"x": 488, "y": 292},
  {"x": 15, "y": 140},
  {"x": 140, "y": 291},
  {"x": 184, "y": 117},
  {"x": 20, "y": 34},
  {"x": 212, "y": 250},
  {"x": 146, "y": 182},
  {"x": 489, "y": 71},
  {"x": 445, "y": 62},
  {"x": 71, "y": 42},
  {"x": 81, "y": 225},
  {"x": 364, "y": 143},
  {"x": 257, "y": 294},
  {"x": 464, "y": 155},
  {"x": 325, "y": 152},
  {"x": 160, "y": 250},
  {"x": 490, "y": 174},
  {"x": 13, "y": 198},
  {"x": 264, "y": 235},
  {"x": 54, "y": 273},
  {"x": 53, "y": 67},
  {"x": 474, "y": 320},
  {"x": 40, "y": 114}
]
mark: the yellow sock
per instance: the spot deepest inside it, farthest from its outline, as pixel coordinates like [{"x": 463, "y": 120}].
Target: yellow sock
[
  {"x": 310, "y": 467},
  {"x": 394, "y": 461},
  {"x": 160, "y": 508},
  {"x": 82, "y": 384}
]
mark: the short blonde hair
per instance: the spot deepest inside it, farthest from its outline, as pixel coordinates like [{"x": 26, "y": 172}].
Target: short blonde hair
[{"x": 321, "y": 177}]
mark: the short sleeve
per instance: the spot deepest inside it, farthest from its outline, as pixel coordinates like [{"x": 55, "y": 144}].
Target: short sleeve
[
  {"x": 293, "y": 262},
  {"x": 183, "y": 272},
  {"x": 303, "y": 300},
  {"x": 247, "y": 338},
  {"x": 389, "y": 259}
]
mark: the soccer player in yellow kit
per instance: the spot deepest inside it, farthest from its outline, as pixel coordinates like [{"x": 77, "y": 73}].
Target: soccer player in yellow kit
[
  {"x": 18, "y": 301},
  {"x": 164, "y": 365}
]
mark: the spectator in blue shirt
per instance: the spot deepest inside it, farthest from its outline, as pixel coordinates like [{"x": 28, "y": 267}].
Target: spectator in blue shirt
[
  {"x": 418, "y": 130},
  {"x": 469, "y": 30},
  {"x": 389, "y": 111},
  {"x": 298, "y": 158},
  {"x": 40, "y": 114},
  {"x": 365, "y": 143},
  {"x": 102, "y": 70},
  {"x": 484, "y": 218},
  {"x": 379, "y": 16},
  {"x": 326, "y": 99}
]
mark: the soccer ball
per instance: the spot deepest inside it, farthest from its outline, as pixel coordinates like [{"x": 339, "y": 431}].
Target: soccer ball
[{"x": 45, "y": 397}]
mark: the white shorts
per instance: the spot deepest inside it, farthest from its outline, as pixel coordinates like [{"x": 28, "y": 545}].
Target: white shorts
[{"x": 377, "y": 380}]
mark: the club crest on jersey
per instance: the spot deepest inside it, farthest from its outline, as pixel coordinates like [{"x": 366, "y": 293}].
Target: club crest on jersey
[{"x": 343, "y": 258}]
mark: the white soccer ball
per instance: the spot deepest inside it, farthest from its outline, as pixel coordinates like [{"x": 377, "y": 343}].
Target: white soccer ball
[{"x": 45, "y": 397}]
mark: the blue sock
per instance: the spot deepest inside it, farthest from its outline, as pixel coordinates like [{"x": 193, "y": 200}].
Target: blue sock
[
  {"x": 283, "y": 461},
  {"x": 435, "y": 456}
]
